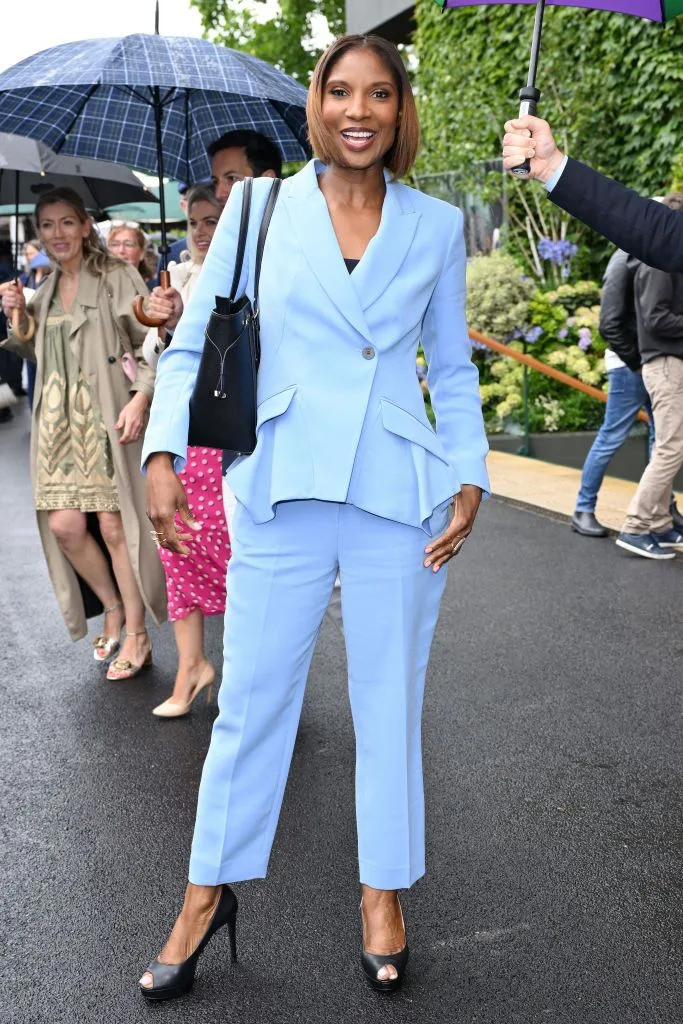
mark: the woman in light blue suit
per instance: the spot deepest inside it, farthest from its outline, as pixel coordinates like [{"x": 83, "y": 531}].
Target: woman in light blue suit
[{"x": 347, "y": 476}]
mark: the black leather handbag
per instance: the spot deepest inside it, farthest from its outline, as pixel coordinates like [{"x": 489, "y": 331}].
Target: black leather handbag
[{"x": 223, "y": 402}]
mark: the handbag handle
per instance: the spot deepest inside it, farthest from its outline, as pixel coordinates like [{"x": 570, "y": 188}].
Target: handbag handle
[
  {"x": 242, "y": 240},
  {"x": 262, "y": 235}
]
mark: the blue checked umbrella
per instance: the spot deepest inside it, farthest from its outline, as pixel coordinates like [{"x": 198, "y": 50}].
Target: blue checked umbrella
[{"x": 150, "y": 102}]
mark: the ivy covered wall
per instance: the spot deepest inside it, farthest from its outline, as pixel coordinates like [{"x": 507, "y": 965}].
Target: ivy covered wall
[{"x": 612, "y": 87}]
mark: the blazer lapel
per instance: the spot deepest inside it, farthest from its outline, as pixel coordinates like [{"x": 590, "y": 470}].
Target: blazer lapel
[
  {"x": 386, "y": 252},
  {"x": 312, "y": 226}
]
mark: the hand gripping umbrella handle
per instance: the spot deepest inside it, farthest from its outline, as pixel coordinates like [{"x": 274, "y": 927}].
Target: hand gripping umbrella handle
[
  {"x": 528, "y": 100},
  {"x": 138, "y": 305},
  {"x": 16, "y": 327},
  {"x": 26, "y": 335},
  {"x": 529, "y": 95}
]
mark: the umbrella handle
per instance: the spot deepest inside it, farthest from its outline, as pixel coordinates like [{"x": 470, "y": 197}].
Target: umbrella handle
[
  {"x": 138, "y": 305},
  {"x": 528, "y": 100},
  {"x": 16, "y": 326}
]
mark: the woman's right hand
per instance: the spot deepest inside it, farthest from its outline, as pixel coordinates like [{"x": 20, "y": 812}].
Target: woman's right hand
[
  {"x": 165, "y": 498},
  {"x": 13, "y": 298},
  {"x": 165, "y": 304}
]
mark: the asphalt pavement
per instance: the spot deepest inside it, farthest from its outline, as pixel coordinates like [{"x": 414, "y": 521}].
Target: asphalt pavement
[{"x": 553, "y": 761}]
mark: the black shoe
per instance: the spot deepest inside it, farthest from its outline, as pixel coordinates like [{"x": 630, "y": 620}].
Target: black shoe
[
  {"x": 6, "y": 415},
  {"x": 173, "y": 980},
  {"x": 676, "y": 515},
  {"x": 587, "y": 525},
  {"x": 372, "y": 964}
]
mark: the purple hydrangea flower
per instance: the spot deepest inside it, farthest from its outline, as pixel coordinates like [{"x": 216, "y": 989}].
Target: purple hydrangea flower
[
  {"x": 533, "y": 334},
  {"x": 563, "y": 333},
  {"x": 585, "y": 338},
  {"x": 559, "y": 252}
]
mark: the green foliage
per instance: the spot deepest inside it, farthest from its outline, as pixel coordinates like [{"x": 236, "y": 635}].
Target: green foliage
[
  {"x": 677, "y": 174},
  {"x": 611, "y": 87},
  {"x": 559, "y": 327},
  {"x": 498, "y": 295},
  {"x": 285, "y": 40},
  {"x": 571, "y": 296}
]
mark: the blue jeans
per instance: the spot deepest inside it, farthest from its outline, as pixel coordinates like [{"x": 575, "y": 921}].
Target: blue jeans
[{"x": 626, "y": 396}]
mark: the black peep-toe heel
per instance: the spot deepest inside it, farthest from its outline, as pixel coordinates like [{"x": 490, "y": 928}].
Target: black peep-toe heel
[
  {"x": 372, "y": 963},
  {"x": 173, "y": 980}
]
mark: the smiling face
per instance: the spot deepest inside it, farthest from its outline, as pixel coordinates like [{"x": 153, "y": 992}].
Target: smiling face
[
  {"x": 202, "y": 222},
  {"x": 360, "y": 109},
  {"x": 125, "y": 243},
  {"x": 61, "y": 232}
]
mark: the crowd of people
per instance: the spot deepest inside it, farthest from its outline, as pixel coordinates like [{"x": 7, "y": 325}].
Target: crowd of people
[
  {"x": 347, "y": 477},
  {"x": 93, "y": 367}
]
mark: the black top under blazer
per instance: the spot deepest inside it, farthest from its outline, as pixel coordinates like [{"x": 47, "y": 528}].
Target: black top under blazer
[{"x": 647, "y": 230}]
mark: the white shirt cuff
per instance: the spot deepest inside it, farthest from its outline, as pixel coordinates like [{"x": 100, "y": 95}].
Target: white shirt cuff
[{"x": 550, "y": 184}]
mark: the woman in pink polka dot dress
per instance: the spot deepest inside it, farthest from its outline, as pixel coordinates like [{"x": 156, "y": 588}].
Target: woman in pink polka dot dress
[{"x": 195, "y": 582}]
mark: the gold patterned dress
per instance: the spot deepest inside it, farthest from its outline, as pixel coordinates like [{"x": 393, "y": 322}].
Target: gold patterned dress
[{"x": 74, "y": 461}]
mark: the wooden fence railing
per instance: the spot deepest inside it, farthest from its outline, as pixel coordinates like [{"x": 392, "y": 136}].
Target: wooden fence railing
[{"x": 540, "y": 367}]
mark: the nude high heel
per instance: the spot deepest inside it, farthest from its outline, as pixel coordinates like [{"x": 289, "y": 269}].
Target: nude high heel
[
  {"x": 107, "y": 646},
  {"x": 174, "y": 709},
  {"x": 122, "y": 668}
]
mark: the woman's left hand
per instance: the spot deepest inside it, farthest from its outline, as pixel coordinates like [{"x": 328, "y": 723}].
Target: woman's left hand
[
  {"x": 440, "y": 551},
  {"x": 133, "y": 418}
]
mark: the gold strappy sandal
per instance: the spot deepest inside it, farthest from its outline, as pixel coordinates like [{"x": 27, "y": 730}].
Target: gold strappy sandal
[
  {"x": 122, "y": 668},
  {"x": 107, "y": 646}
]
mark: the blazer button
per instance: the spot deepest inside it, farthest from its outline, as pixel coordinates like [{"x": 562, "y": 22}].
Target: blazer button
[
  {"x": 112, "y": 359},
  {"x": 368, "y": 352}
]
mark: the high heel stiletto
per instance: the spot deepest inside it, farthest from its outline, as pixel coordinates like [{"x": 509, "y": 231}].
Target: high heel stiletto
[
  {"x": 107, "y": 646},
  {"x": 372, "y": 964},
  {"x": 174, "y": 709},
  {"x": 173, "y": 980},
  {"x": 122, "y": 668}
]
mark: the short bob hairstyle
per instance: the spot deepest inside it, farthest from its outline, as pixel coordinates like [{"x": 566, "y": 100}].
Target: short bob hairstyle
[{"x": 401, "y": 157}]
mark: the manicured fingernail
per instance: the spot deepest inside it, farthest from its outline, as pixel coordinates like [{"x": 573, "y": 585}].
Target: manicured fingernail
[{"x": 427, "y": 564}]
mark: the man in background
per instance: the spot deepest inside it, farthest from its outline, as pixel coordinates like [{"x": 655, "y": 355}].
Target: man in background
[
  {"x": 649, "y": 530},
  {"x": 241, "y": 154}
]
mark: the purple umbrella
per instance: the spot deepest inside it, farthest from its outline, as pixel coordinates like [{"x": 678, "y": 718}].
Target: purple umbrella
[{"x": 653, "y": 10}]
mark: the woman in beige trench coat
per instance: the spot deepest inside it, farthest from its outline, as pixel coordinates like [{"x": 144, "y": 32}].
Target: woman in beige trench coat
[{"x": 86, "y": 439}]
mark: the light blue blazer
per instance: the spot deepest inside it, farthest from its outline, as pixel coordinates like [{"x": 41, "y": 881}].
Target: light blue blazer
[{"x": 341, "y": 415}]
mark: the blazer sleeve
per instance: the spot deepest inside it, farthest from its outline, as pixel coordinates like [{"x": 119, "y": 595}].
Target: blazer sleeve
[
  {"x": 645, "y": 229},
  {"x": 169, "y": 420},
  {"x": 452, "y": 377}
]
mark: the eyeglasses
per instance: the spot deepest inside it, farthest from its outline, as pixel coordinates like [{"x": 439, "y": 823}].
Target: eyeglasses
[{"x": 125, "y": 245}]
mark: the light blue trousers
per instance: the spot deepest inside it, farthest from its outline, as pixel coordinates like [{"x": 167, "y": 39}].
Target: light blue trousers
[{"x": 280, "y": 579}]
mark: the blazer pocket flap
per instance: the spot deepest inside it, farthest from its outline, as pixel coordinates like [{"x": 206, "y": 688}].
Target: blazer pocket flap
[
  {"x": 407, "y": 426},
  {"x": 275, "y": 405}
]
